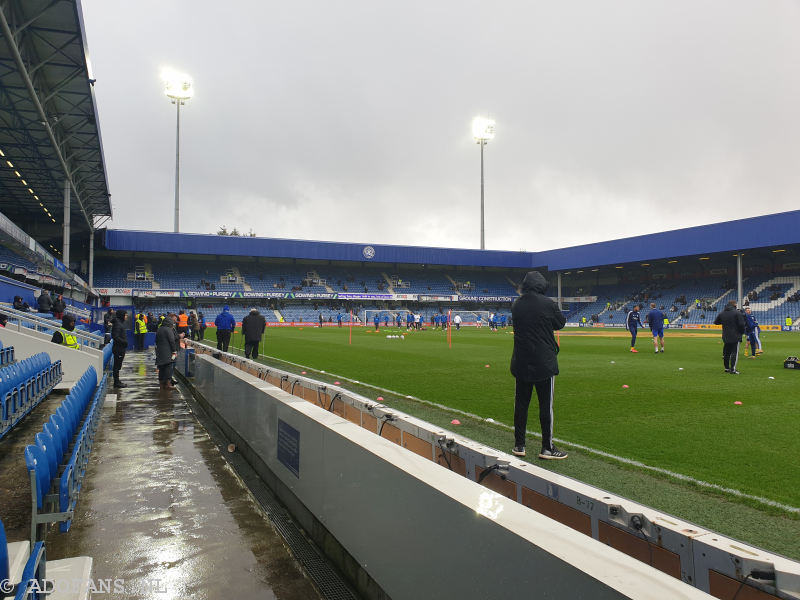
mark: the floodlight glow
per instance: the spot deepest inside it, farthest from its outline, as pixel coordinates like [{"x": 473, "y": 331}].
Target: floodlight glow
[
  {"x": 483, "y": 129},
  {"x": 177, "y": 86}
]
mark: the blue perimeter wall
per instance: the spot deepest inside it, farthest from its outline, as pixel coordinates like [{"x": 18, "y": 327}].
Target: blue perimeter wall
[{"x": 767, "y": 231}]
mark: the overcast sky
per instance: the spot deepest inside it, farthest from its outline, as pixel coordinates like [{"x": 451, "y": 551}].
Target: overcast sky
[{"x": 350, "y": 120}]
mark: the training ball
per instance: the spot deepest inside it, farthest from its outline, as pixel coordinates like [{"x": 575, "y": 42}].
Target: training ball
[
  {"x": 388, "y": 336},
  {"x": 612, "y": 362},
  {"x": 490, "y": 420},
  {"x": 624, "y": 387},
  {"x": 487, "y": 366},
  {"x": 680, "y": 368},
  {"x": 771, "y": 377},
  {"x": 322, "y": 371},
  {"x": 402, "y": 337}
]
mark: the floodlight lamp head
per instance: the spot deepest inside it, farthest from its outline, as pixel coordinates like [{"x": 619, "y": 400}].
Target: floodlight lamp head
[
  {"x": 483, "y": 129},
  {"x": 177, "y": 86}
]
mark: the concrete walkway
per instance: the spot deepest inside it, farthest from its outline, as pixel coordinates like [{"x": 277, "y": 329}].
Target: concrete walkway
[{"x": 162, "y": 513}]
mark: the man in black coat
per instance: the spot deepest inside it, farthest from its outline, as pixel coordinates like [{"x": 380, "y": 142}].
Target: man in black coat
[
  {"x": 253, "y": 326},
  {"x": 45, "y": 302},
  {"x": 119, "y": 336},
  {"x": 166, "y": 351},
  {"x": 534, "y": 361},
  {"x": 733, "y": 326}
]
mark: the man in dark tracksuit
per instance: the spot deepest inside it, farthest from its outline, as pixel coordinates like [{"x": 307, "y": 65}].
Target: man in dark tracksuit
[
  {"x": 534, "y": 361},
  {"x": 733, "y": 326},
  {"x": 119, "y": 337}
]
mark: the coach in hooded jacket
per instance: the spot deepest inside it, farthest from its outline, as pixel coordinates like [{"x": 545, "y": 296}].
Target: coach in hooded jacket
[{"x": 534, "y": 361}]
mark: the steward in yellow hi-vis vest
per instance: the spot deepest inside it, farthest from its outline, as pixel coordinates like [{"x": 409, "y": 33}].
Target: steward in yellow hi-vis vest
[
  {"x": 64, "y": 335},
  {"x": 788, "y": 321},
  {"x": 141, "y": 324}
]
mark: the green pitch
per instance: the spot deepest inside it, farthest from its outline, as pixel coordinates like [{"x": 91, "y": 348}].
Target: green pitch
[{"x": 677, "y": 414}]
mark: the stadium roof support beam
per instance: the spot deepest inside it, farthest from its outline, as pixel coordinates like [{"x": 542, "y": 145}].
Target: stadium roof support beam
[{"x": 23, "y": 72}]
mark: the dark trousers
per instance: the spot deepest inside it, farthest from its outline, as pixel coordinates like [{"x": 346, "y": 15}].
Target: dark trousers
[
  {"x": 223, "y": 339},
  {"x": 139, "y": 341},
  {"x": 202, "y": 333},
  {"x": 522, "y": 399},
  {"x": 251, "y": 347},
  {"x": 634, "y": 331},
  {"x": 195, "y": 334},
  {"x": 119, "y": 355},
  {"x": 730, "y": 354},
  {"x": 165, "y": 372}
]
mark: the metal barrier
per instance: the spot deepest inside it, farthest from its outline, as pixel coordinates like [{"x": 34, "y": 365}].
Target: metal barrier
[{"x": 21, "y": 321}]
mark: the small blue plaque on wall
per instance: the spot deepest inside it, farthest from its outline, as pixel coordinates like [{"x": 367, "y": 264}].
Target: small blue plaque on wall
[{"x": 289, "y": 447}]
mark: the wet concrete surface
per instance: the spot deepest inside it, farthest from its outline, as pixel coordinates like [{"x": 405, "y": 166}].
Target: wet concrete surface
[{"x": 162, "y": 513}]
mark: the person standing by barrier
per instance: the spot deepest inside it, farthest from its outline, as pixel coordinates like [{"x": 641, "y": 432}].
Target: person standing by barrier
[
  {"x": 194, "y": 326},
  {"x": 166, "y": 352},
  {"x": 253, "y": 326},
  {"x": 183, "y": 323},
  {"x": 119, "y": 337},
  {"x": 225, "y": 325},
  {"x": 534, "y": 361},
  {"x": 59, "y": 306},
  {"x": 140, "y": 328},
  {"x": 201, "y": 318},
  {"x": 733, "y": 326},
  {"x": 45, "y": 302},
  {"x": 108, "y": 322}
]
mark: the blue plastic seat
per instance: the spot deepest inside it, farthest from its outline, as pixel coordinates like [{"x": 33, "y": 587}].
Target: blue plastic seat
[
  {"x": 46, "y": 443},
  {"x": 36, "y": 461},
  {"x": 56, "y": 424}
]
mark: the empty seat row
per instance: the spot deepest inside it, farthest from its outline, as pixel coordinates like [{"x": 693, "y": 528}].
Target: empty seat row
[
  {"x": 57, "y": 461},
  {"x": 107, "y": 357},
  {"x": 6, "y": 354},
  {"x": 23, "y": 385}
]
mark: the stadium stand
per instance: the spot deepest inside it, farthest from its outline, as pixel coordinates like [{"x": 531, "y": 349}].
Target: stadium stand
[{"x": 57, "y": 462}]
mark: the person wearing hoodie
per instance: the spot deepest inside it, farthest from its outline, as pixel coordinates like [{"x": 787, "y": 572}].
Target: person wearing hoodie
[
  {"x": 253, "y": 326},
  {"x": 534, "y": 362},
  {"x": 119, "y": 337},
  {"x": 166, "y": 351},
  {"x": 225, "y": 325},
  {"x": 45, "y": 302},
  {"x": 59, "y": 306},
  {"x": 733, "y": 326}
]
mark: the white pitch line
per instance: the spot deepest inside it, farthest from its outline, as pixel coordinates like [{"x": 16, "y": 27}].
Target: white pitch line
[{"x": 621, "y": 459}]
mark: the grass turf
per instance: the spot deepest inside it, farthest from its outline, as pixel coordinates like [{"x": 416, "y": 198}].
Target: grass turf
[{"x": 684, "y": 421}]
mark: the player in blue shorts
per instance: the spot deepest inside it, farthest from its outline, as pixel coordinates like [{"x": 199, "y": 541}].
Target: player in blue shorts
[{"x": 655, "y": 318}]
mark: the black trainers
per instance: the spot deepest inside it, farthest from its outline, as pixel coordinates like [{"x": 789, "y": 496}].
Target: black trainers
[
  {"x": 733, "y": 372},
  {"x": 727, "y": 370},
  {"x": 119, "y": 384},
  {"x": 518, "y": 451},
  {"x": 552, "y": 454}
]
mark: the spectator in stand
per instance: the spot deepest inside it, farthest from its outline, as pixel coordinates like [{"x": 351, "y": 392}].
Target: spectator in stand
[
  {"x": 59, "y": 306},
  {"x": 3, "y": 320},
  {"x": 119, "y": 336},
  {"x": 226, "y": 324},
  {"x": 45, "y": 302},
  {"x": 253, "y": 326},
  {"x": 20, "y": 305}
]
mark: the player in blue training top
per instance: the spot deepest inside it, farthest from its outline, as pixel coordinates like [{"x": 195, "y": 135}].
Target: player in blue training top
[
  {"x": 752, "y": 330},
  {"x": 409, "y": 320},
  {"x": 632, "y": 323},
  {"x": 399, "y": 320},
  {"x": 377, "y": 320},
  {"x": 385, "y": 320},
  {"x": 655, "y": 318}
]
